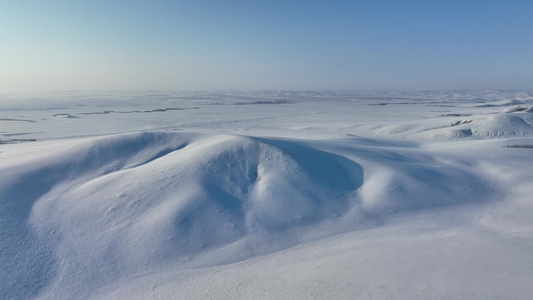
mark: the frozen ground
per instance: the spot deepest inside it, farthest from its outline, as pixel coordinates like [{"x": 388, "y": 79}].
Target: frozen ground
[{"x": 266, "y": 195}]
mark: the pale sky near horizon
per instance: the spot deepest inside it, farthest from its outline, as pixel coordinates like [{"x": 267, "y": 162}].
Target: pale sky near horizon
[{"x": 251, "y": 45}]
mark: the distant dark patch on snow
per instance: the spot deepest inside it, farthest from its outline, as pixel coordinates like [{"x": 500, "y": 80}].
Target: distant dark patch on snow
[
  {"x": 265, "y": 102},
  {"x": 461, "y": 123},
  {"x": 99, "y": 113},
  {"x": 14, "y": 134},
  {"x": 529, "y": 146},
  {"x": 413, "y": 103},
  {"x": 16, "y": 120},
  {"x": 393, "y": 103},
  {"x": 15, "y": 141},
  {"x": 137, "y": 111}
]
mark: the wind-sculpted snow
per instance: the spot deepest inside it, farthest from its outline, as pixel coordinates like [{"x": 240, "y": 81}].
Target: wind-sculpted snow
[
  {"x": 492, "y": 125},
  {"x": 151, "y": 198},
  {"x": 24, "y": 182},
  {"x": 112, "y": 207},
  {"x": 515, "y": 122},
  {"x": 296, "y": 195}
]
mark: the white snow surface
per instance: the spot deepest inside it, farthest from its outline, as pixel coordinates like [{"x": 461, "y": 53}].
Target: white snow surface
[{"x": 266, "y": 195}]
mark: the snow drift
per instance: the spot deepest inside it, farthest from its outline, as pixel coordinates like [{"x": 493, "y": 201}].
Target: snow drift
[{"x": 111, "y": 207}]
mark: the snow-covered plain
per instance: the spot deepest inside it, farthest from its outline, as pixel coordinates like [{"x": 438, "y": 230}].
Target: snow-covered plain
[{"x": 266, "y": 195}]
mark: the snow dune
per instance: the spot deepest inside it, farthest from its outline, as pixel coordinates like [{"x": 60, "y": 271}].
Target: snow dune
[{"x": 275, "y": 213}]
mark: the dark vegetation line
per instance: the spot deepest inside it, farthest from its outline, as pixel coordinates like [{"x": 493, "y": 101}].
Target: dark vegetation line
[
  {"x": 14, "y": 141},
  {"x": 136, "y": 111},
  {"x": 530, "y": 146}
]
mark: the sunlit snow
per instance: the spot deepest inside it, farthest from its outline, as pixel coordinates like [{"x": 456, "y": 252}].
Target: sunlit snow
[{"x": 266, "y": 195}]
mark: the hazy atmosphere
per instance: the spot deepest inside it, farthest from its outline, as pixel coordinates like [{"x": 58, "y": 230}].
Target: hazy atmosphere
[
  {"x": 266, "y": 150},
  {"x": 250, "y": 45}
]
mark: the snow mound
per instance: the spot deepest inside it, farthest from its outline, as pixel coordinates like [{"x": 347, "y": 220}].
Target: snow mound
[
  {"x": 503, "y": 125},
  {"x": 499, "y": 125},
  {"x": 102, "y": 210},
  {"x": 151, "y": 198}
]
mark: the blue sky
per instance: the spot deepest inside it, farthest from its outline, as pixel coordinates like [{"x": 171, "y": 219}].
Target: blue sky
[{"x": 250, "y": 45}]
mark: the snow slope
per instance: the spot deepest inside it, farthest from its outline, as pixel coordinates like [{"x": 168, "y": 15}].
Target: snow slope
[{"x": 266, "y": 195}]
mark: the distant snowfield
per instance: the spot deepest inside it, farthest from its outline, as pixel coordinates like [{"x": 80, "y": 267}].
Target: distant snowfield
[{"x": 266, "y": 195}]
